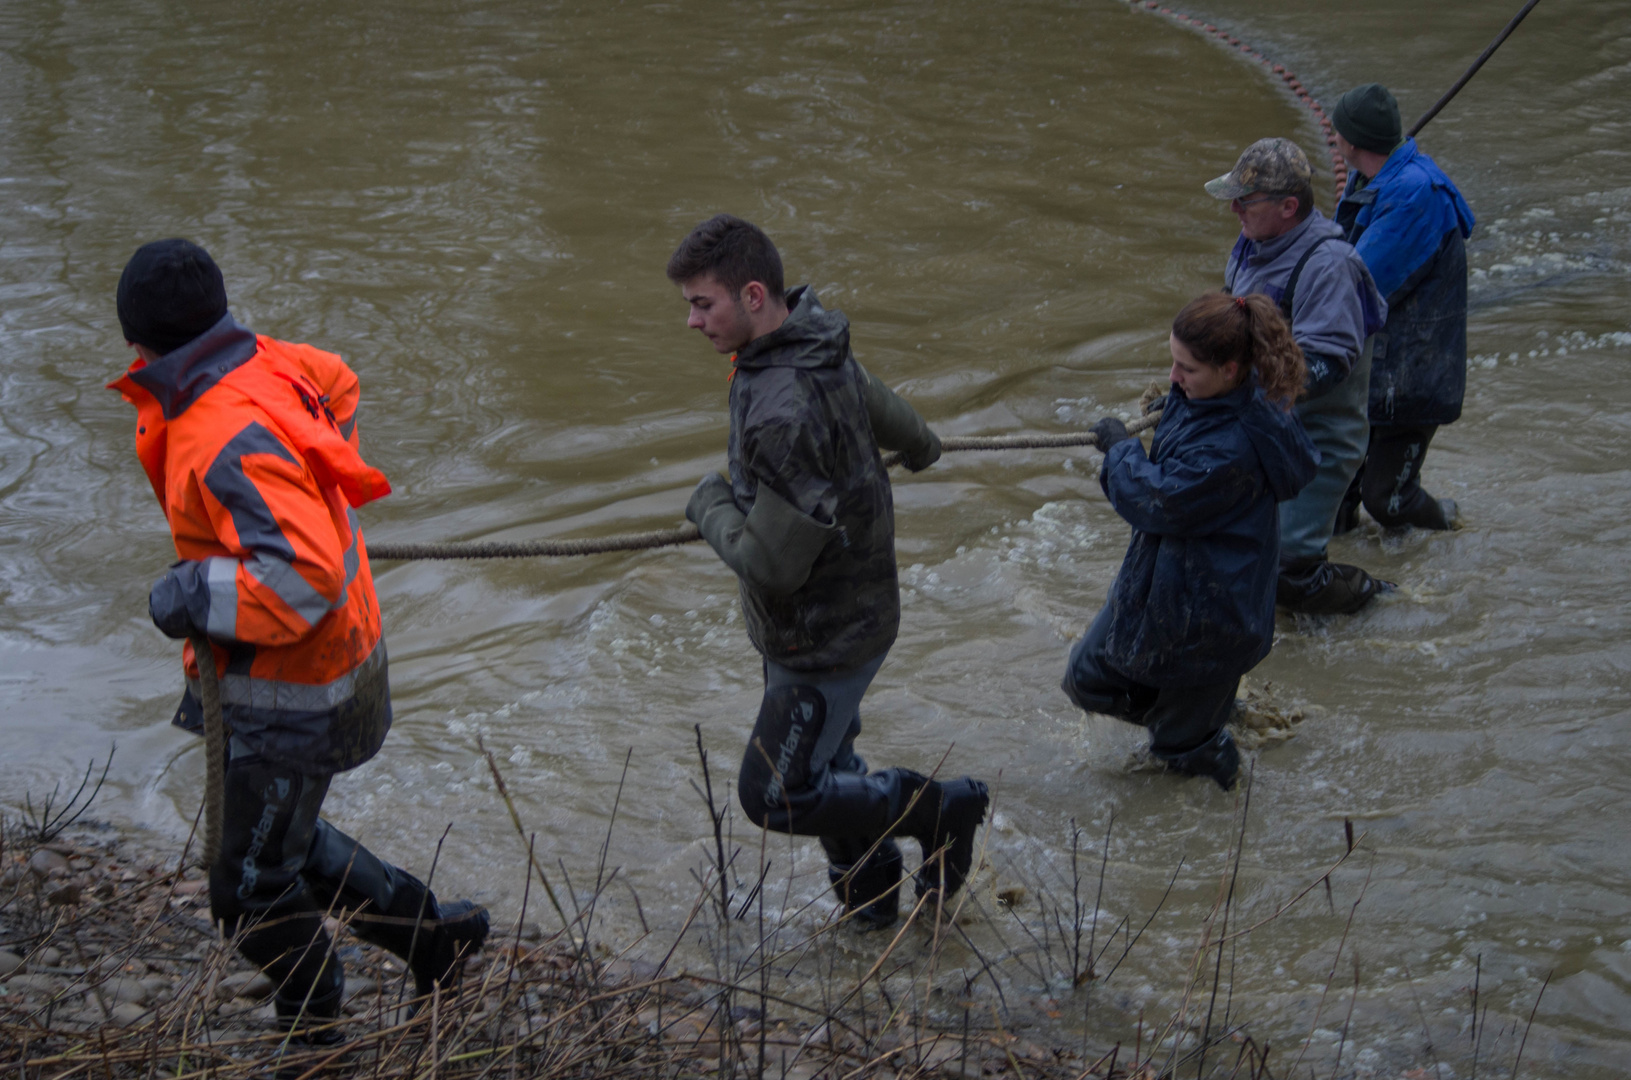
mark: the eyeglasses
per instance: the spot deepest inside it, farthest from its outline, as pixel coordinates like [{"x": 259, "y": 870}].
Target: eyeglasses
[{"x": 1266, "y": 198}]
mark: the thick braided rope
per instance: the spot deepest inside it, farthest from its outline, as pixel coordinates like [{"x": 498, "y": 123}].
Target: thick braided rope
[
  {"x": 687, "y": 533},
  {"x": 215, "y": 748},
  {"x": 521, "y": 549},
  {"x": 215, "y": 735}
]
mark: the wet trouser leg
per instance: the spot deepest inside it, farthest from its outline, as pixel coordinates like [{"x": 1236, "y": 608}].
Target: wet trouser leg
[
  {"x": 389, "y": 907},
  {"x": 257, "y": 887},
  {"x": 801, "y": 774},
  {"x": 1337, "y": 424},
  {"x": 1097, "y": 687},
  {"x": 1180, "y": 719},
  {"x": 1390, "y": 482},
  {"x": 283, "y": 868}
]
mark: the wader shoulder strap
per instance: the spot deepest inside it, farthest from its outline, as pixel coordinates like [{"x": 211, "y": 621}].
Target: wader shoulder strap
[{"x": 1296, "y": 272}]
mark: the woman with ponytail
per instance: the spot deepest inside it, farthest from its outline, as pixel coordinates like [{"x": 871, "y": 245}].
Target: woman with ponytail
[{"x": 1192, "y": 609}]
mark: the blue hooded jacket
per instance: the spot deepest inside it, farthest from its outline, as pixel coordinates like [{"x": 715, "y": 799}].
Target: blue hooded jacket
[
  {"x": 1410, "y": 225},
  {"x": 1194, "y": 601}
]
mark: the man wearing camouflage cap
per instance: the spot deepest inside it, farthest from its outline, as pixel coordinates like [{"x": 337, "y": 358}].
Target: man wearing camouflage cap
[{"x": 1296, "y": 256}]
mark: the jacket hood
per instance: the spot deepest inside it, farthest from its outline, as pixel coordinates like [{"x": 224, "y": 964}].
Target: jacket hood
[
  {"x": 812, "y": 337},
  {"x": 1288, "y": 457},
  {"x": 1409, "y": 159},
  {"x": 181, "y": 376}
]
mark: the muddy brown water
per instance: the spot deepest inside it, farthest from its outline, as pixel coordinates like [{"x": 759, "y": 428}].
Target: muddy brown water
[{"x": 472, "y": 202}]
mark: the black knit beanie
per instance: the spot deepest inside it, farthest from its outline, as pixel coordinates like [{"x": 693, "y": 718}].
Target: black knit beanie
[
  {"x": 1368, "y": 117},
  {"x": 171, "y": 292}
]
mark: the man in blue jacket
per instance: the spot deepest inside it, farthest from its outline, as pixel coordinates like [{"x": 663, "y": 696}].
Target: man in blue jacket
[
  {"x": 1410, "y": 225},
  {"x": 1296, "y": 256}
]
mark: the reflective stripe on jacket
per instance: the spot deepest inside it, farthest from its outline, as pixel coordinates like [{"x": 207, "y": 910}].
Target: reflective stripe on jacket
[{"x": 251, "y": 447}]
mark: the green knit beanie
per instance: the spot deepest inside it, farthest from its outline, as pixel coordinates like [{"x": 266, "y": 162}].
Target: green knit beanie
[{"x": 1368, "y": 117}]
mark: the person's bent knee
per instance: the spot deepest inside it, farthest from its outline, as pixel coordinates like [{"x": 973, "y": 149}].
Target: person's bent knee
[
  {"x": 1380, "y": 495},
  {"x": 242, "y": 890},
  {"x": 750, "y": 792},
  {"x": 269, "y": 813},
  {"x": 762, "y": 792},
  {"x": 1087, "y": 682},
  {"x": 1086, "y": 694},
  {"x": 777, "y": 762},
  {"x": 1069, "y": 683},
  {"x": 753, "y": 783}
]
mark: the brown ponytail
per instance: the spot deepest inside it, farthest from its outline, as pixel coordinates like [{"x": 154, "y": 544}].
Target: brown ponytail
[{"x": 1250, "y": 331}]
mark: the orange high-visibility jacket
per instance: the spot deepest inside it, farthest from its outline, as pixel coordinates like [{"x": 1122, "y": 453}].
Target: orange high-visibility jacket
[{"x": 251, "y": 447}]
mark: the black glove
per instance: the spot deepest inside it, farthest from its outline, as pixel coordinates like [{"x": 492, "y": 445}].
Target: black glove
[
  {"x": 712, "y": 491},
  {"x": 1109, "y": 431},
  {"x": 1325, "y": 373},
  {"x": 927, "y": 454},
  {"x": 179, "y": 602}
]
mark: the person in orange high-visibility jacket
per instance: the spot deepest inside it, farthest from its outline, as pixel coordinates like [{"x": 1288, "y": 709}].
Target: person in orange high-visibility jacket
[{"x": 251, "y": 447}]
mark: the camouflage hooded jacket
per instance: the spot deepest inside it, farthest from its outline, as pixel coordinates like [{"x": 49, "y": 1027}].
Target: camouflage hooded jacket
[{"x": 800, "y": 427}]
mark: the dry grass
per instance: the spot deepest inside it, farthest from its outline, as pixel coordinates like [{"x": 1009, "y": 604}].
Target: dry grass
[{"x": 125, "y": 977}]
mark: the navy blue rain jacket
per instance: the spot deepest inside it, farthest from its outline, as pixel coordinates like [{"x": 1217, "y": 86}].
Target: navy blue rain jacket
[{"x": 1194, "y": 602}]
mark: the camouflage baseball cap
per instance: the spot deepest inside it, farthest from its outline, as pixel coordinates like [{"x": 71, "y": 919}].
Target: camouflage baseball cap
[{"x": 1272, "y": 166}]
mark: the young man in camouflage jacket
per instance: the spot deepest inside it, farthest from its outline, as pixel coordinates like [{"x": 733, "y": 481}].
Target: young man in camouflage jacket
[{"x": 806, "y": 520}]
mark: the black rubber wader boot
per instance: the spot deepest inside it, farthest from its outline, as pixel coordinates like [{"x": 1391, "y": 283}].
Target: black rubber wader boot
[
  {"x": 302, "y": 1014},
  {"x": 1318, "y": 586},
  {"x": 1436, "y": 515},
  {"x": 1348, "y": 513},
  {"x": 1217, "y": 757},
  {"x": 395, "y": 910},
  {"x": 260, "y": 894},
  {"x": 866, "y": 884},
  {"x": 311, "y": 1026},
  {"x": 943, "y": 820},
  {"x": 1388, "y": 483}
]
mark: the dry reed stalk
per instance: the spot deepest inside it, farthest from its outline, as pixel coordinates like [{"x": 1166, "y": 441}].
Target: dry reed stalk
[
  {"x": 1342, "y": 943},
  {"x": 559, "y": 1011}
]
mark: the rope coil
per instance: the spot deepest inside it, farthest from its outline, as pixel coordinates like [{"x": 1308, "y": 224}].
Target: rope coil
[{"x": 687, "y": 533}]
